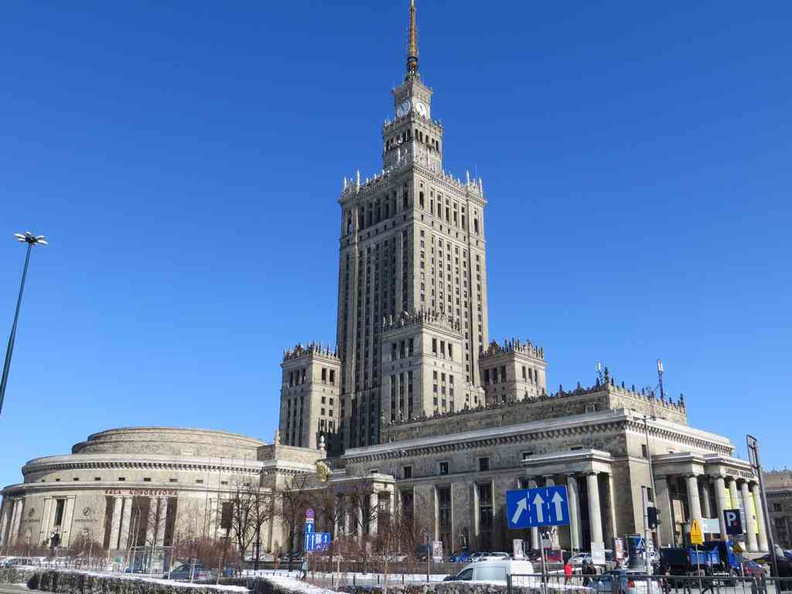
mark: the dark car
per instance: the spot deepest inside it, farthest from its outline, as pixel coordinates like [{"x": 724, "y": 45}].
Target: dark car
[
  {"x": 196, "y": 573},
  {"x": 460, "y": 557}
]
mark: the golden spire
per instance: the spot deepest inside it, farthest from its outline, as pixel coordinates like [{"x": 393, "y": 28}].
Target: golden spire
[{"x": 412, "y": 55}]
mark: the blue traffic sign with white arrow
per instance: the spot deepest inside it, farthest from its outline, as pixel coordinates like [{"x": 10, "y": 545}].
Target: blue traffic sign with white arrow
[{"x": 544, "y": 506}]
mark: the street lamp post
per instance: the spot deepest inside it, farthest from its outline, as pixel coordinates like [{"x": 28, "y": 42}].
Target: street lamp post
[
  {"x": 651, "y": 469},
  {"x": 30, "y": 240}
]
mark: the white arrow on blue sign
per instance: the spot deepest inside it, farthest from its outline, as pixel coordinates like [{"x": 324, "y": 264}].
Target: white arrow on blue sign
[
  {"x": 316, "y": 541},
  {"x": 544, "y": 506}
]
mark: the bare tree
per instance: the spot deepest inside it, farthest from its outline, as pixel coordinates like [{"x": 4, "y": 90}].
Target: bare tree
[
  {"x": 243, "y": 515},
  {"x": 293, "y": 499}
]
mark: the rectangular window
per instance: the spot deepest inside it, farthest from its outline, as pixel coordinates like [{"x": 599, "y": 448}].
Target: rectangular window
[
  {"x": 485, "y": 515},
  {"x": 407, "y": 472},
  {"x": 444, "y": 513},
  {"x": 60, "y": 504},
  {"x": 226, "y": 515},
  {"x": 443, "y": 467},
  {"x": 483, "y": 464},
  {"x": 644, "y": 451}
]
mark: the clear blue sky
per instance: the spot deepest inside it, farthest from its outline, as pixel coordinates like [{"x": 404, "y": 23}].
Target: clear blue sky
[{"x": 185, "y": 160}]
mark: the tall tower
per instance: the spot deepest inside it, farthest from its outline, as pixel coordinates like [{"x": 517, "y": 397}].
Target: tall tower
[{"x": 412, "y": 276}]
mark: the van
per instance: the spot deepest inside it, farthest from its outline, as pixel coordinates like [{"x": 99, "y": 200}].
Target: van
[{"x": 496, "y": 571}]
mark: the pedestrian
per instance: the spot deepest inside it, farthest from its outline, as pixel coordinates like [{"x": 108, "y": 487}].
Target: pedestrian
[
  {"x": 304, "y": 569},
  {"x": 567, "y": 573},
  {"x": 588, "y": 571}
]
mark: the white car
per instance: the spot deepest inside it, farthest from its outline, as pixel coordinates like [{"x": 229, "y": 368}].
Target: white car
[
  {"x": 489, "y": 556},
  {"x": 496, "y": 571},
  {"x": 577, "y": 559}
]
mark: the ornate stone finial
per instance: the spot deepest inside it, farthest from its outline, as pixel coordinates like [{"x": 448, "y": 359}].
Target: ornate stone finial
[
  {"x": 322, "y": 446},
  {"x": 357, "y": 178},
  {"x": 276, "y": 441}
]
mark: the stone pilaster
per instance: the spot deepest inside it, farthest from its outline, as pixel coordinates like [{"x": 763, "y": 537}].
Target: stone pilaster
[
  {"x": 115, "y": 522},
  {"x": 162, "y": 517}
]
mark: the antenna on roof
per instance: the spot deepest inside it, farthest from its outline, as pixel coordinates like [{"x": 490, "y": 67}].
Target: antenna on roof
[{"x": 660, "y": 377}]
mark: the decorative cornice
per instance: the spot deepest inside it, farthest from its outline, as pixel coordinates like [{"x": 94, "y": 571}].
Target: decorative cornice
[{"x": 153, "y": 462}]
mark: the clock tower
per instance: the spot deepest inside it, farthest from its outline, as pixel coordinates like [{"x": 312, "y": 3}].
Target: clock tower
[
  {"x": 413, "y": 134},
  {"x": 412, "y": 282}
]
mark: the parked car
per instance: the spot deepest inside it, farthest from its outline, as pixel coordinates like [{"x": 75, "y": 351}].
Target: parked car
[
  {"x": 622, "y": 581},
  {"x": 753, "y": 569},
  {"x": 460, "y": 557},
  {"x": 488, "y": 556},
  {"x": 576, "y": 560},
  {"x": 551, "y": 556},
  {"x": 198, "y": 572},
  {"x": 496, "y": 570}
]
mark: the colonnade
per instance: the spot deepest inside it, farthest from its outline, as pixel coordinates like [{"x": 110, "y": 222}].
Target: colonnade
[
  {"x": 729, "y": 493},
  {"x": 121, "y": 523},
  {"x": 349, "y": 516}
]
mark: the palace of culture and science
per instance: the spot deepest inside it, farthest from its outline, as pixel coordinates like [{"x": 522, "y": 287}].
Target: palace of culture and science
[
  {"x": 412, "y": 297},
  {"x": 414, "y": 402}
]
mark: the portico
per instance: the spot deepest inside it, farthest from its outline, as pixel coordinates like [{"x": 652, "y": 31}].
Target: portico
[
  {"x": 587, "y": 475},
  {"x": 701, "y": 486}
]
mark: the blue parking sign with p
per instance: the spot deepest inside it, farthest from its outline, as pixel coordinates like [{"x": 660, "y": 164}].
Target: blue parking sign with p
[{"x": 733, "y": 521}]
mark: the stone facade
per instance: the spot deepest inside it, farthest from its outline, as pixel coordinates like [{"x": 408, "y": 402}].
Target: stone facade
[
  {"x": 599, "y": 442},
  {"x": 129, "y": 487},
  {"x": 778, "y": 485}
]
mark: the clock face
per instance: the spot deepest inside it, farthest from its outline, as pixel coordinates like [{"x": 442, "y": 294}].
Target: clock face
[
  {"x": 421, "y": 108},
  {"x": 403, "y": 109}
]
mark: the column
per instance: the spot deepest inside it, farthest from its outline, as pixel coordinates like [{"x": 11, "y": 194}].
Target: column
[
  {"x": 3, "y": 523},
  {"x": 665, "y": 532},
  {"x": 611, "y": 508},
  {"x": 722, "y": 503},
  {"x": 150, "y": 521},
  {"x": 162, "y": 517},
  {"x": 347, "y": 515},
  {"x": 694, "y": 503},
  {"x": 534, "y": 531},
  {"x": 338, "y": 517},
  {"x": 124, "y": 539},
  {"x": 750, "y": 520},
  {"x": 45, "y": 520},
  {"x": 549, "y": 481},
  {"x": 595, "y": 513},
  {"x": 359, "y": 527},
  {"x": 705, "y": 497},
  {"x": 68, "y": 516},
  {"x": 115, "y": 523},
  {"x": 373, "y": 513},
  {"x": 574, "y": 512},
  {"x": 734, "y": 497},
  {"x": 760, "y": 517}
]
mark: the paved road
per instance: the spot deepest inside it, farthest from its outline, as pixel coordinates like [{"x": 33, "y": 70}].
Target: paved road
[{"x": 12, "y": 589}]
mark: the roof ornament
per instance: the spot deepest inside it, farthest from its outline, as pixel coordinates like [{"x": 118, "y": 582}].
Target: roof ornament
[{"x": 412, "y": 52}]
